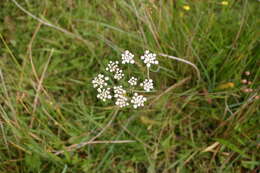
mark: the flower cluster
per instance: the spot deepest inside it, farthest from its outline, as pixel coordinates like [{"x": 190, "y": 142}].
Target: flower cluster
[
  {"x": 127, "y": 58},
  {"x": 122, "y": 101},
  {"x": 122, "y": 95},
  {"x": 149, "y": 58},
  {"x": 104, "y": 94},
  {"x": 112, "y": 66},
  {"x": 119, "y": 91},
  {"x": 100, "y": 81},
  {"x": 132, "y": 81},
  {"x": 147, "y": 84},
  {"x": 138, "y": 100},
  {"x": 119, "y": 74}
]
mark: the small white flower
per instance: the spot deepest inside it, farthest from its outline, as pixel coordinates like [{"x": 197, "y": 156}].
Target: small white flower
[
  {"x": 100, "y": 81},
  {"x": 147, "y": 84},
  {"x": 127, "y": 58},
  {"x": 119, "y": 94},
  {"x": 119, "y": 91},
  {"x": 133, "y": 81},
  {"x": 112, "y": 66},
  {"x": 104, "y": 94},
  {"x": 121, "y": 101},
  {"x": 119, "y": 74},
  {"x": 138, "y": 100},
  {"x": 149, "y": 58}
]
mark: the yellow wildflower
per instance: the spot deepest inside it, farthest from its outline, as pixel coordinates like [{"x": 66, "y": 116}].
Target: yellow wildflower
[
  {"x": 224, "y": 3},
  {"x": 226, "y": 85},
  {"x": 186, "y": 7}
]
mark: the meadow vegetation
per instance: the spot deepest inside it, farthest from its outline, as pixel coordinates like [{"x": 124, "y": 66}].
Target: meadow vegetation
[{"x": 51, "y": 120}]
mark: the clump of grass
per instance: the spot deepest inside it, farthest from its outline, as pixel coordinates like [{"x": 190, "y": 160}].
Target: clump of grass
[{"x": 51, "y": 120}]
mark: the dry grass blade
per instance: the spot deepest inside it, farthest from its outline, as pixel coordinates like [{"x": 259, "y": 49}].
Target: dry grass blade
[
  {"x": 39, "y": 87},
  {"x": 211, "y": 147},
  {"x": 184, "y": 61}
]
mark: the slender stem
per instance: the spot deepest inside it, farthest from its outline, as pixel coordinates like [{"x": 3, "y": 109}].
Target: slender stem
[
  {"x": 184, "y": 61},
  {"x": 148, "y": 72}
]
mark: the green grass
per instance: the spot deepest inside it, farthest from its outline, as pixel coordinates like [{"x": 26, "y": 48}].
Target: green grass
[{"x": 47, "y": 102}]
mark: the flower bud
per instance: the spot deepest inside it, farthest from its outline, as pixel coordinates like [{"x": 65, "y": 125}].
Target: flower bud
[{"x": 247, "y": 73}]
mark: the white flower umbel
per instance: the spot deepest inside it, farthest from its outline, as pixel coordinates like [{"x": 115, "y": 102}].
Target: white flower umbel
[
  {"x": 138, "y": 100},
  {"x": 132, "y": 81},
  {"x": 127, "y": 58},
  {"x": 119, "y": 91},
  {"x": 104, "y": 94},
  {"x": 121, "y": 101},
  {"x": 149, "y": 58},
  {"x": 100, "y": 81},
  {"x": 115, "y": 75},
  {"x": 119, "y": 74},
  {"x": 112, "y": 66},
  {"x": 147, "y": 84}
]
